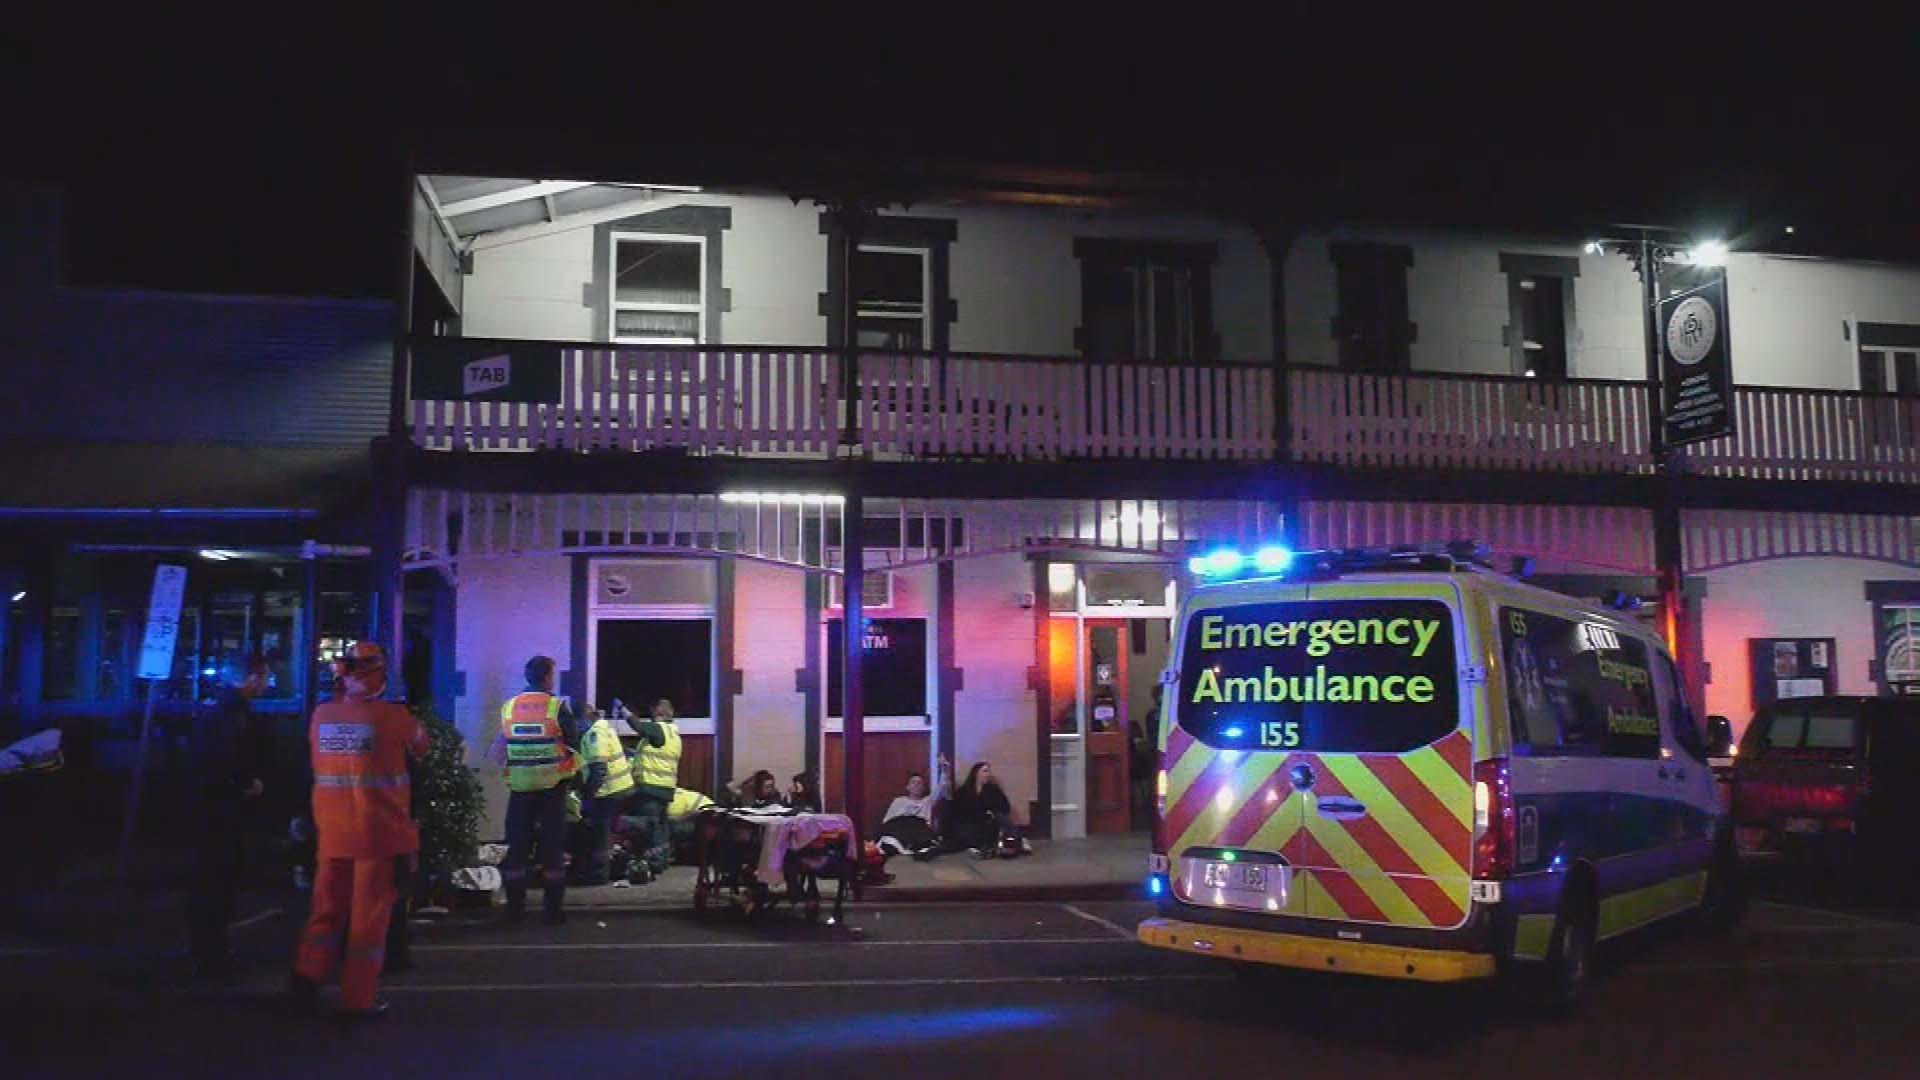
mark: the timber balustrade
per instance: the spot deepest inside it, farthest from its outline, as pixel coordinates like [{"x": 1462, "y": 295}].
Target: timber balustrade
[{"x": 792, "y": 403}]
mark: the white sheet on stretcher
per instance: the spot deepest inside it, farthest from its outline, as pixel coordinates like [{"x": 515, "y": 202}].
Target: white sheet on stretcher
[{"x": 781, "y": 833}]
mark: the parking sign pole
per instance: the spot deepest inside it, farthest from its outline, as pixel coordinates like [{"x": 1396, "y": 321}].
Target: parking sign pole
[{"x": 156, "y": 666}]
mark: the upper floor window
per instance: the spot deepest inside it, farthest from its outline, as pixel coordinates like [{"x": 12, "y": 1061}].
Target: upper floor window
[
  {"x": 658, "y": 295},
  {"x": 1539, "y": 313},
  {"x": 1889, "y": 358},
  {"x": 1145, "y": 301},
  {"x": 1370, "y": 324},
  {"x": 890, "y": 287}
]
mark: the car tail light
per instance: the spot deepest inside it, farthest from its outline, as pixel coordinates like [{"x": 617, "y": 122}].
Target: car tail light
[
  {"x": 1756, "y": 799},
  {"x": 1493, "y": 827}
]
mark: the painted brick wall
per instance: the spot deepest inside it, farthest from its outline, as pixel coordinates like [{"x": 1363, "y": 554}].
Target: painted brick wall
[
  {"x": 1799, "y": 597},
  {"x": 509, "y": 610},
  {"x": 769, "y": 717},
  {"x": 997, "y": 710}
]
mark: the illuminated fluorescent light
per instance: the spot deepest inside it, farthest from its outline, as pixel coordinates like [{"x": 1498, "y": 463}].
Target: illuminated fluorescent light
[
  {"x": 215, "y": 554},
  {"x": 789, "y": 498},
  {"x": 19, "y": 596}
]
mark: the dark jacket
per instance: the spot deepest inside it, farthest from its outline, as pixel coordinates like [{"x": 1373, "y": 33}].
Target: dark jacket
[
  {"x": 229, "y": 753},
  {"x": 972, "y": 805}
]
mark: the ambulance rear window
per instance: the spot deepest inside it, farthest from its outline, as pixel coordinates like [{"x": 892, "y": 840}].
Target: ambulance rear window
[{"x": 1373, "y": 675}]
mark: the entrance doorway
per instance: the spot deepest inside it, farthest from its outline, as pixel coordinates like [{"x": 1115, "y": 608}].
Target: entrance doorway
[
  {"x": 1104, "y": 659},
  {"x": 651, "y": 634}
]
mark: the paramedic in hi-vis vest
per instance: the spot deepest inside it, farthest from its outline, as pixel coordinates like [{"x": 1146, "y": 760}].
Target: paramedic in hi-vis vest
[
  {"x": 537, "y": 744},
  {"x": 658, "y": 765},
  {"x": 362, "y": 811},
  {"x": 608, "y": 786}
]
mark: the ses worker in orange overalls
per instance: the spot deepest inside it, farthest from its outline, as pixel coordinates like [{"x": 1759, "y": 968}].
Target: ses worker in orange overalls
[{"x": 362, "y": 811}]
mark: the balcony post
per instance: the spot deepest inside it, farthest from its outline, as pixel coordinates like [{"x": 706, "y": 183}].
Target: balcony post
[
  {"x": 850, "y": 216},
  {"x": 853, "y": 771},
  {"x": 389, "y": 462},
  {"x": 1278, "y": 241}
]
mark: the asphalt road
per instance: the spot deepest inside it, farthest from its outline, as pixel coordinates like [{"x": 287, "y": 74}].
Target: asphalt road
[{"x": 934, "y": 990}]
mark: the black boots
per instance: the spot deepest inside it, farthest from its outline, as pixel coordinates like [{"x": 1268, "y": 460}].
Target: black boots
[{"x": 553, "y": 902}]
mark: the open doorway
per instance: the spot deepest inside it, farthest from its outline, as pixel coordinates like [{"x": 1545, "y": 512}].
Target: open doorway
[{"x": 1109, "y": 633}]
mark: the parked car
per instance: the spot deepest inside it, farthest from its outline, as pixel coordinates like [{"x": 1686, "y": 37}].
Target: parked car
[{"x": 1833, "y": 778}]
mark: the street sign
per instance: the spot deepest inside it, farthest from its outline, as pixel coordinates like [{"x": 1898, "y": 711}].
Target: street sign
[
  {"x": 163, "y": 622},
  {"x": 1696, "y": 364}
]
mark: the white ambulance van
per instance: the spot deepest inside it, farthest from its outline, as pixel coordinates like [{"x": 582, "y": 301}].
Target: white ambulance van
[{"x": 1404, "y": 764}]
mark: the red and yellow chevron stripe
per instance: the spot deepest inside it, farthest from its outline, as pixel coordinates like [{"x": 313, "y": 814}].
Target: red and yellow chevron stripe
[{"x": 1405, "y": 861}]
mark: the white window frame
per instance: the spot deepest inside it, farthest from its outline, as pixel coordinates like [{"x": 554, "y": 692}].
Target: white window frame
[
  {"x": 925, "y": 315},
  {"x": 615, "y": 307},
  {"x": 1911, "y": 615}
]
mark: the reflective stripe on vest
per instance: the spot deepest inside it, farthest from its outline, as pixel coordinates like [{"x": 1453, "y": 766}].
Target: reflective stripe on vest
[
  {"x": 660, "y": 765},
  {"x": 600, "y": 746},
  {"x": 537, "y": 753},
  {"x": 338, "y": 781}
]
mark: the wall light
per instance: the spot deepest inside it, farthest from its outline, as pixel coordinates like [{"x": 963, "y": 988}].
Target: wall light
[
  {"x": 19, "y": 596},
  {"x": 1707, "y": 253}
]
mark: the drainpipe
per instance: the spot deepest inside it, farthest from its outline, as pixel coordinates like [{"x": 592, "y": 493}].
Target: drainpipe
[{"x": 309, "y": 626}]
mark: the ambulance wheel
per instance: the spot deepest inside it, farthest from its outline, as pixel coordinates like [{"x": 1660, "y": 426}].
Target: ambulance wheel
[{"x": 1570, "y": 955}]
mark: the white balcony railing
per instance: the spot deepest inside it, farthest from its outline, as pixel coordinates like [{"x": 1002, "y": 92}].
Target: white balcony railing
[{"x": 791, "y": 403}]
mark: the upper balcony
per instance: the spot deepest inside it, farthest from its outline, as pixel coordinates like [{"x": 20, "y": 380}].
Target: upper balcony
[{"x": 793, "y": 403}]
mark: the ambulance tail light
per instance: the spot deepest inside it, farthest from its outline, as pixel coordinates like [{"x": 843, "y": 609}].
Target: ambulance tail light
[
  {"x": 1159, "y": 811},
  {"x": 1493, "y": 821}
]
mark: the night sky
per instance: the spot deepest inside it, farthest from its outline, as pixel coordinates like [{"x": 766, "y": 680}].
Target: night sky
[{"x": 196, "y": 158}]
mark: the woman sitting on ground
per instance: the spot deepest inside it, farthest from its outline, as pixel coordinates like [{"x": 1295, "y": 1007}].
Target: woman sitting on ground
[
  {"x": 758, "y": 790},
  {"x": 910, "y": 824},
  {"x": 980, "y": 818},
  {"x": 803, "y": 795}
]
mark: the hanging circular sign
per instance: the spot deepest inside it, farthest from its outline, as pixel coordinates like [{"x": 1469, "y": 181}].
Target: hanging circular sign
[{"x": 1691, "y": 330}]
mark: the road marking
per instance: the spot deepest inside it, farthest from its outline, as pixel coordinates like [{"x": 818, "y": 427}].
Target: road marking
[
  {"x": 1771, "y": 965},
  {"x": 1117, "y": 930},
  {"x": 250, "y": 920},
  {"x": 645, "y": 946},
  {"x": 41, "y": 950},
  {"x": 1842, "y": 915},
  {"x": 795, "y": 984}
]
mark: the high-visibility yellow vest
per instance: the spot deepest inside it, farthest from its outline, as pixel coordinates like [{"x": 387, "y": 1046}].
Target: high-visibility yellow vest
[
  {"x": 538, "y": 757},
  {"x": 600, "y": 746},
  {"x": 660, "y": 765},
  {"x": 686, "y": 803}
]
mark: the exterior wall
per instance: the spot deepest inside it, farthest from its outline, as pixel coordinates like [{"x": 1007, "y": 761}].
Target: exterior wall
[
  {"x": 1794, "y": 597},
  {"x": 508, "y": 610},
  {"x": 1791, "y": 317},
  {"x": 769, "y": 715},
  {"x": 996, "y": 711},
  {"x": 1014, "y": 277},
  {"x": 195, "y": 369}
]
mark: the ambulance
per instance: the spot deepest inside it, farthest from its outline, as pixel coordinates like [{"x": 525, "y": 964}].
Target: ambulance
[{"x": 1403, "y": 763}]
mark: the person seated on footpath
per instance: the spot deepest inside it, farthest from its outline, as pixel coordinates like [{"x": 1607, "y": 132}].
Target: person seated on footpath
[
  {"x": 911, "y": 824},
  {"x": 756, "y": 792},
  {"x": 802, "y": 795},
  {"x": 980, "y": 818}
]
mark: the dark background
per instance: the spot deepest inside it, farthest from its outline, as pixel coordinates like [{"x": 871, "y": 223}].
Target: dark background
[{"x": 267, "y": 153}]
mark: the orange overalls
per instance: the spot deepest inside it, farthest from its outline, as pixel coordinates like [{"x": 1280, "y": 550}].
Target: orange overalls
[{"x": 362, "y": 810}]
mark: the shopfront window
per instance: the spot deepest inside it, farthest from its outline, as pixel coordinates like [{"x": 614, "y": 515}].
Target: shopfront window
[
  {"x": 60, "y": 671},
  {"x": 342, "y": 620},
  {"x": 279, "y": 626},
  {"x": 111, "y": 684},
  {"x": 183, "y": 686}
]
